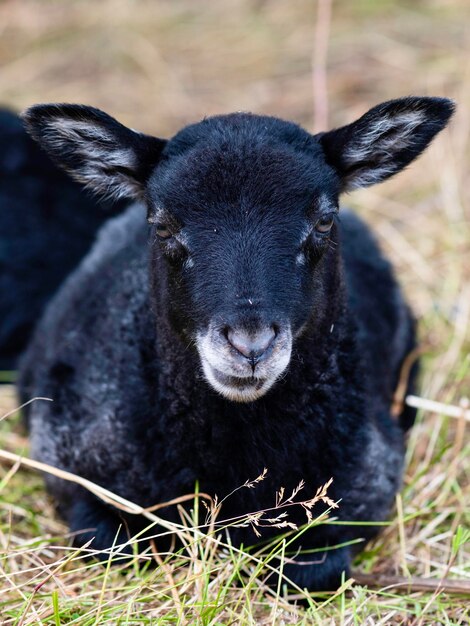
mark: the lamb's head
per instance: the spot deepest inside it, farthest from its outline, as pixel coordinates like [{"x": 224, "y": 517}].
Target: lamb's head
[
  {"x": 243, "y": 217},
  {"x": 243, "y": 209}
]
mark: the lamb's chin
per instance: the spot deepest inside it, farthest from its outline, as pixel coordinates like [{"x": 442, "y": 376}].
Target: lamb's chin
[{"x": 236, "y": 388}]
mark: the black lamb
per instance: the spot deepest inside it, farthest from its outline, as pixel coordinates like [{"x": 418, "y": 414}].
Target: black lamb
[
  {"x": 244, "y": 322},
  {"x": 47, "y": 225}
]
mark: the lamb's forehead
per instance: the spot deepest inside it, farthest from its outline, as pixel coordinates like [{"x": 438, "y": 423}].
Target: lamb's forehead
[
  {"x": 241, "y": 127},
  {"x": 242, "y": 157}
]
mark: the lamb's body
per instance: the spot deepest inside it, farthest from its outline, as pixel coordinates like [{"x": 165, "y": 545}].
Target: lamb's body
[
  {"x": 145, "y": 424},
  {"x": 250, "y": 330}
]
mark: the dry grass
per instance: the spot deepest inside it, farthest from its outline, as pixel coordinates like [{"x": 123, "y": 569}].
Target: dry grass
[{"x": 160, "y": 64}]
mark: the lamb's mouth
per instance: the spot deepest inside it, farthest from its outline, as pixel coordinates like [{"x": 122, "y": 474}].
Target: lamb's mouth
[
  {"x": 236, "y": 388},
  {"x": 237, "y": 382}
]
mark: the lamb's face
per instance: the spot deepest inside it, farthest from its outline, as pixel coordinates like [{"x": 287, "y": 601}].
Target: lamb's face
[{"x": 244, "y": 222}]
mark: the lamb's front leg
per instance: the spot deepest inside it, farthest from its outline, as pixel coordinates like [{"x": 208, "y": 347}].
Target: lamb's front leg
[
  {"x": 319, "y": 571},
  {"x": 90, "y": 519}
]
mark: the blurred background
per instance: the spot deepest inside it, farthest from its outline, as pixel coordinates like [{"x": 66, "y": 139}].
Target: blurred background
[{"x": 159, "y": 64}]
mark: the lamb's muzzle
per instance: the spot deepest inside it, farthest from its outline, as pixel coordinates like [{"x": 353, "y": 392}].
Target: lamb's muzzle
[{"x": 243, "y": 366}]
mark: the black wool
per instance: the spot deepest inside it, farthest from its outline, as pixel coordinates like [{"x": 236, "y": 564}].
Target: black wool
[
  {"x": 237, "y": 319},
  {"x": 47, "y": 224}
]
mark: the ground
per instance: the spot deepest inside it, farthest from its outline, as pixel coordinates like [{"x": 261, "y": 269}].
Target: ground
[{"x": 158, "y": 65}]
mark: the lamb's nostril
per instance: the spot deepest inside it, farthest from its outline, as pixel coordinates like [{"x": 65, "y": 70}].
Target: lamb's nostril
[{"x": 251, "y": 345}]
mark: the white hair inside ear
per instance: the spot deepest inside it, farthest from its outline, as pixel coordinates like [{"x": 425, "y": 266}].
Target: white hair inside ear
[
  {"x": 383, "y": 138},
  {"x": 101, "y": 162},
  {"x": 97, "y": 150}
]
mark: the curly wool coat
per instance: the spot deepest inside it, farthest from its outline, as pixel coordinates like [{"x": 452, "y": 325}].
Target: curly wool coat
[{"x": 243, "y": 235}]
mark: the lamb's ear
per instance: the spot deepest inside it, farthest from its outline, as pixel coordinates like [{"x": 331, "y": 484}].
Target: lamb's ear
[
  {"x": 384, "y": 140},
  {"x": 94, "y": 148}
]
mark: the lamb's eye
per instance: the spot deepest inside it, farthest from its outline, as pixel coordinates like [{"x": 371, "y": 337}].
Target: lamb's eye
[
  {"x": 325, "y": 223},
  {"x": 163, "y": 231}
]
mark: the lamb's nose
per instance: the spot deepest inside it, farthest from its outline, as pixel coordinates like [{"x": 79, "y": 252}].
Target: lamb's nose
[{"x": 251, "y": 345}]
